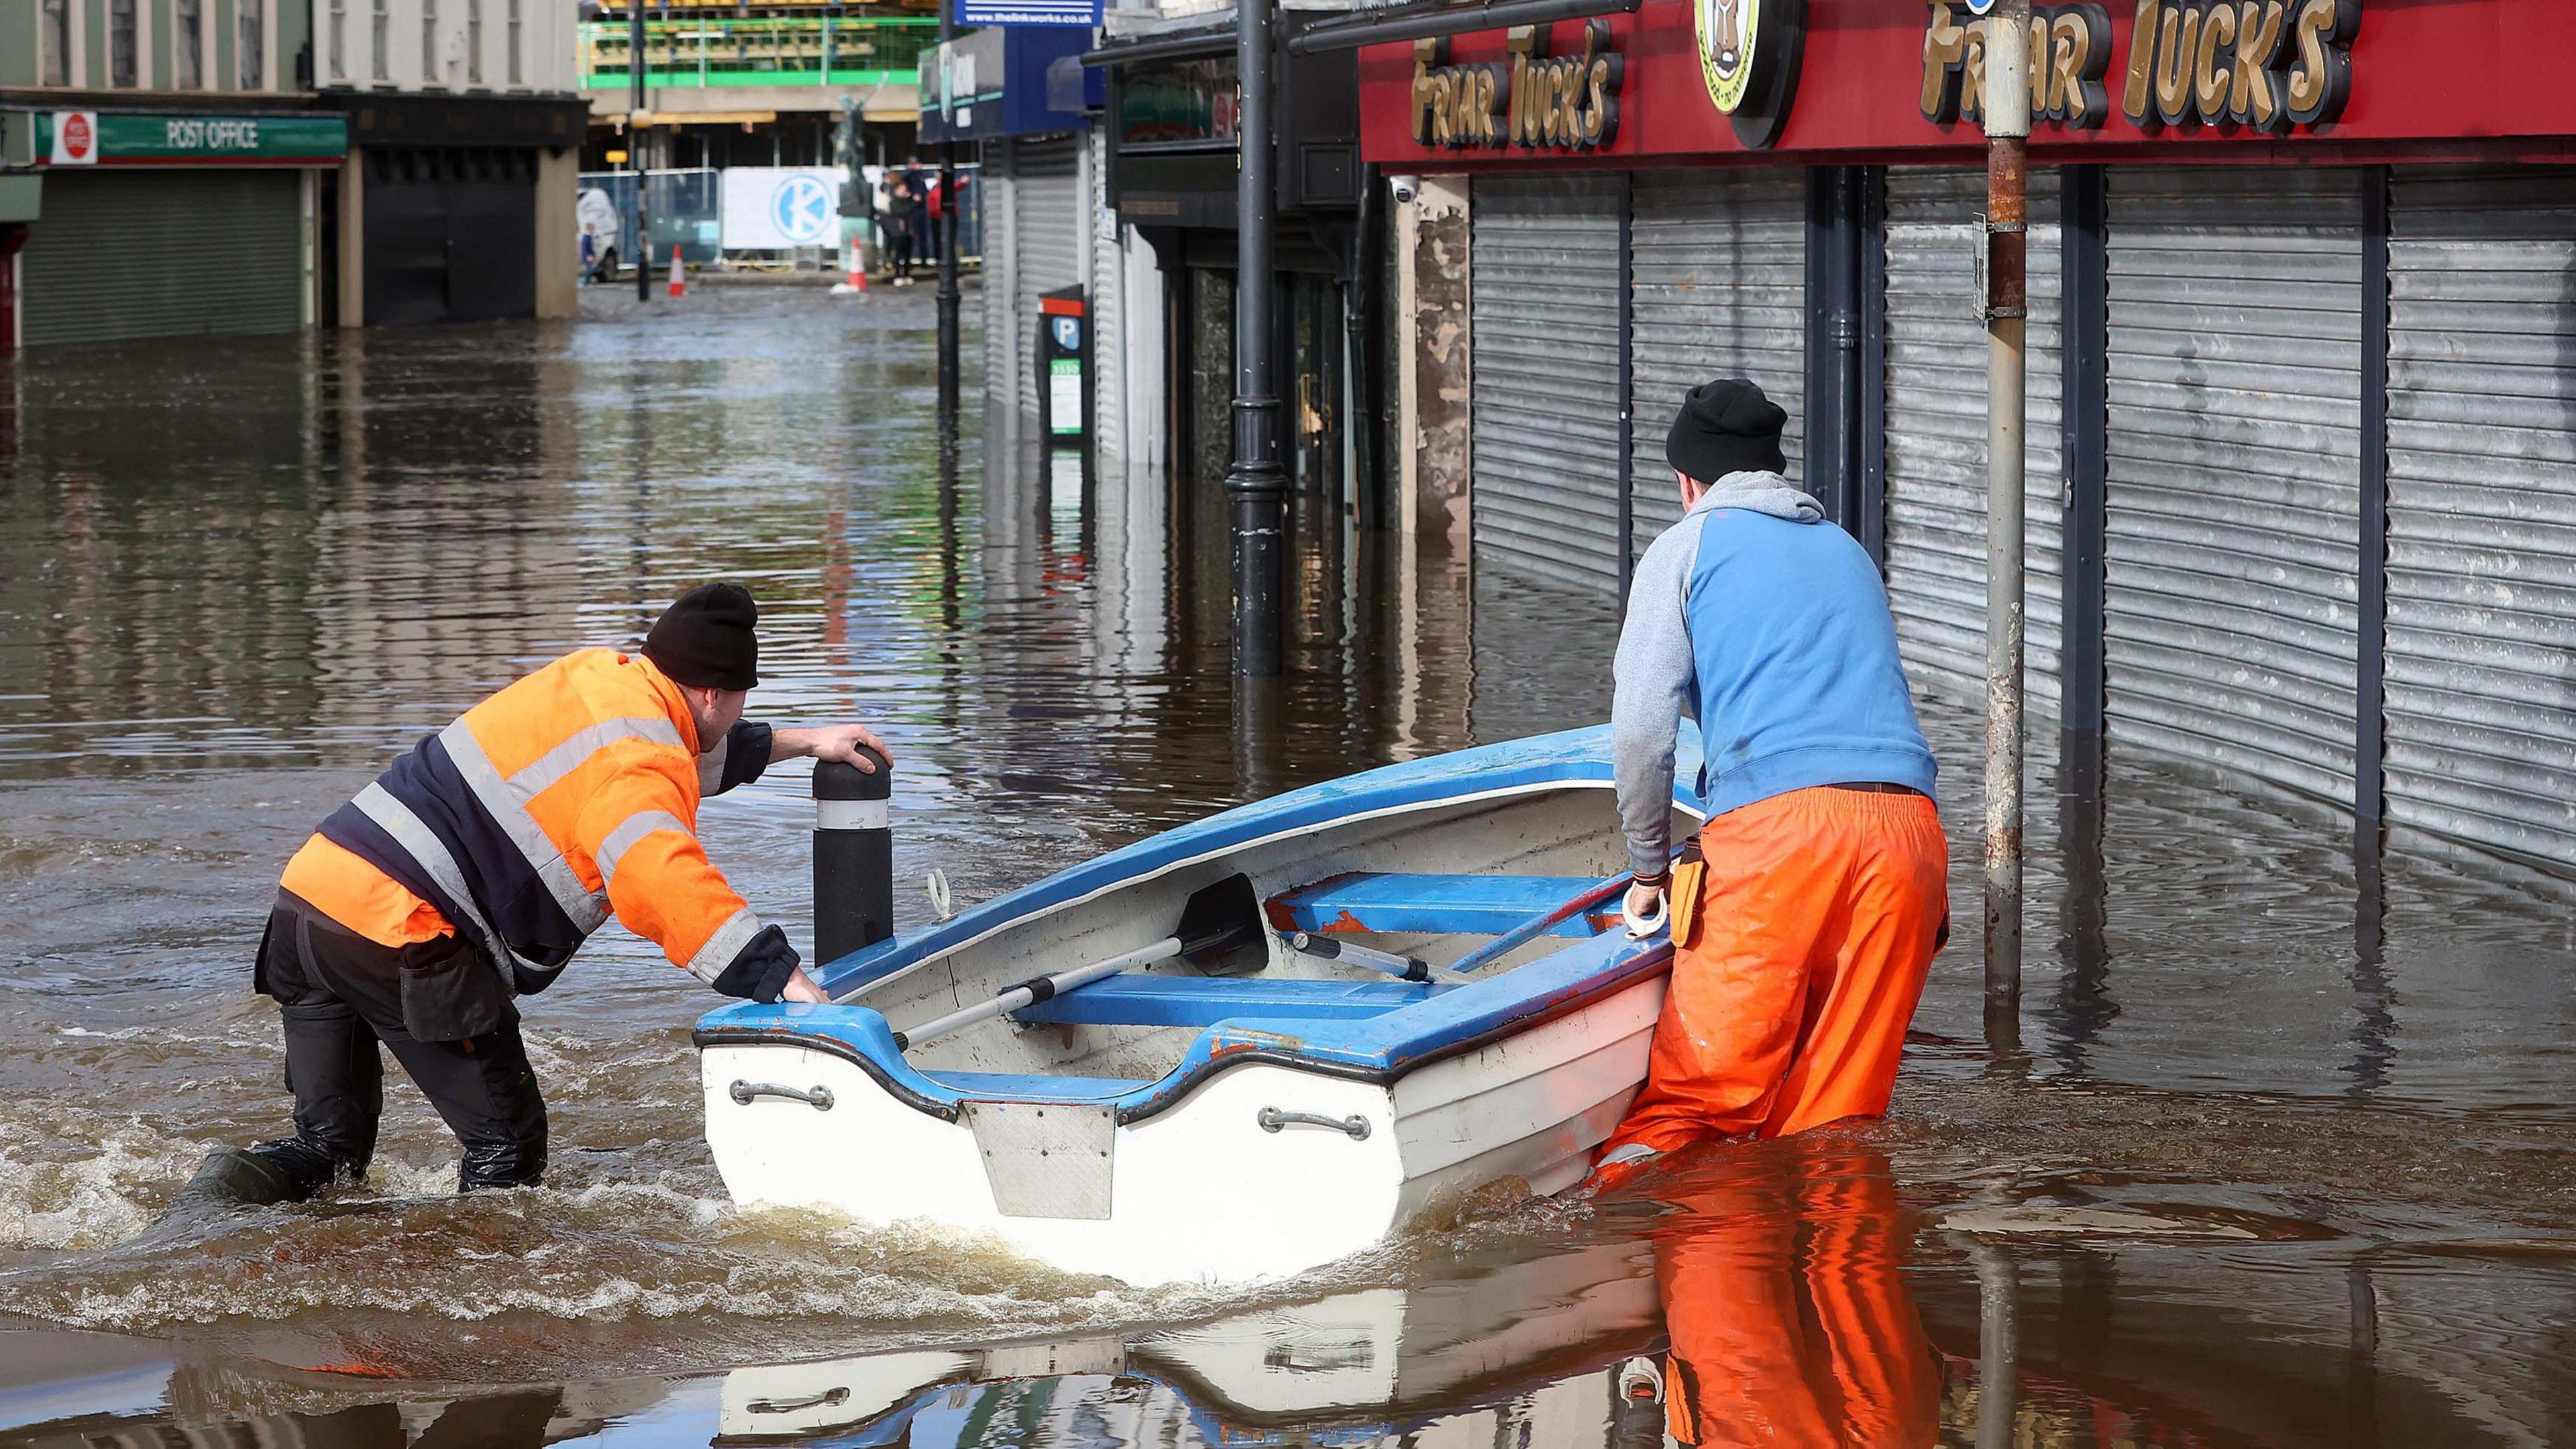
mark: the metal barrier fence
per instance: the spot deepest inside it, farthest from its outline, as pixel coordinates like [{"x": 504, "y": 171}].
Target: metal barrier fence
[
  {"x": 682, "y": 209},
  {"x": 823, "y": 50},
  {"x": 685, "y": 208}
]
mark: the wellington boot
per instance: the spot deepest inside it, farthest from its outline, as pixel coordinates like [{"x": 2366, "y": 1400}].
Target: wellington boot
[{"x": 239, "y": 1176}]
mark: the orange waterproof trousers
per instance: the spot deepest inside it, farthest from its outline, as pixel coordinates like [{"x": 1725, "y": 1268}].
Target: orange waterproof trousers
[
  {"x": 1782, "y": 1271},
  {"x": 1819, "y": 916}
]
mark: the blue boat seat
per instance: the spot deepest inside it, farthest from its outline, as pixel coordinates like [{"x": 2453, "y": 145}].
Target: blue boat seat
[
  {"x": 1142, "y": 999},
  {"x": 1016, "y": 1087},
  {"x": 1386, "y": 903}
]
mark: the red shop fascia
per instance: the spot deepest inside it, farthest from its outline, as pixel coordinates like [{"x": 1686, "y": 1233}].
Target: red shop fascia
[{"x": 1898, "y": 82}]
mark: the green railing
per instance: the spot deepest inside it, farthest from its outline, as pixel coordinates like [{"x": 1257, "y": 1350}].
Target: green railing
[{"x": 732, "y": 51}]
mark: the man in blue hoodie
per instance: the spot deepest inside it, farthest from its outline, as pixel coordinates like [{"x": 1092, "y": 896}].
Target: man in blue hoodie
[{"x": 1807, "y": 918}]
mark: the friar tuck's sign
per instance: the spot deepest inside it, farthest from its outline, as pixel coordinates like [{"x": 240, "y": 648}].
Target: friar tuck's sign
[
  {"x": 1532, "y": 99},
  {"x": 2262, "y": 65}
]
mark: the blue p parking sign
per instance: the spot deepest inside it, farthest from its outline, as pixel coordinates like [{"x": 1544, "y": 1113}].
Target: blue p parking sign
[{"x": 803, "y": 209}]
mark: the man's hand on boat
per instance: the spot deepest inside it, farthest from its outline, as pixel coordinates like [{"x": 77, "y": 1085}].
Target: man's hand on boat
[
  {"x": 1643, "y": 905},
  {"x": 830, "y": 742},
  {"x": 801, "y": 987}
]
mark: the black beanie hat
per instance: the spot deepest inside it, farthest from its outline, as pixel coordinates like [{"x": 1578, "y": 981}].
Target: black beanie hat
[
  {"x": 1726, "y": 426},
  {"x": 705, "y": 639}
]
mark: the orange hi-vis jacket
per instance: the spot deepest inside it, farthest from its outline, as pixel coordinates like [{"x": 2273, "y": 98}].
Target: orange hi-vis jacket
[{"x": 524, "y": 824}]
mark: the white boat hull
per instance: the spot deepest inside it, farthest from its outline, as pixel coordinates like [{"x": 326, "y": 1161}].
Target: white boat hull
[{"x": 1201, "y": 1192}]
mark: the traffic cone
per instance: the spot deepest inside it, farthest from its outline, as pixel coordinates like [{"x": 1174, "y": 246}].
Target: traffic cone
[{"x": 679, "y": 287}]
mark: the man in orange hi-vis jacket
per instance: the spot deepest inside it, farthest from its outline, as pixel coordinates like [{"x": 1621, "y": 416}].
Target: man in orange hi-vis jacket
[{"x": 470, "y": 871}]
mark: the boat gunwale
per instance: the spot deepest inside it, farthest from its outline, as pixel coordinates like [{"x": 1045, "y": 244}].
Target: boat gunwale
[
  {"x": 1241, "y": 1041},
  {"x": 1576, "y": 759}
]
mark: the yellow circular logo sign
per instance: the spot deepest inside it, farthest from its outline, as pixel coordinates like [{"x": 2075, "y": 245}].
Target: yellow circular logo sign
[{"x": 1727, "y": 30}]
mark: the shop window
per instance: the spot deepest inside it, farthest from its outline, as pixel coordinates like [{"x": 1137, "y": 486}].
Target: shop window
[
  {"x": 121, "y": 43},
  {"x": 474, "y": 42},
  {"x": 338, "y": 40},
  {"x": 250, "y": 39},
  {"x": 517, "y": 77},
  {"x": 381, "y": 67},
  {"x": 54, "y": 40},
  {"x": 188, "y": 45}
]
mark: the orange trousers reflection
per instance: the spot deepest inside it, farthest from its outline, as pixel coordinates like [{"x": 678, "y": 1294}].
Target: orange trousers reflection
[
  {"x": 1785, "y": 1296},
  {"x": 1818, "y": 919}
]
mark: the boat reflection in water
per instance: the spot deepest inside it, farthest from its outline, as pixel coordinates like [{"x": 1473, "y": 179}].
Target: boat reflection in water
[
  {"x": 1760, "y": 1293},
  {"x": 1533, "y": 1345}
]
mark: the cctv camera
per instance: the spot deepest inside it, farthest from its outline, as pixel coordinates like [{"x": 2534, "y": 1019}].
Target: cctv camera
[{"x": 1405, "y": 188}]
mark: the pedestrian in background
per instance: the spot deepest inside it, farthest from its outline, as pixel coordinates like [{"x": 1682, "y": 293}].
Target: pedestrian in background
[
  {"x": 903, "y": 214},
  {"x": 1805, "y": 921}
]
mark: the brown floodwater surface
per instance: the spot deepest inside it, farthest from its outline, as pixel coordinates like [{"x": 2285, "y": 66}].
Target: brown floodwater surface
[{"x": 2285, "y": 1154}]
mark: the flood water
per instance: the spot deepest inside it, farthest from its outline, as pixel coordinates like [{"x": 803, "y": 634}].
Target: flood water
[{"x": 2283, "y": 1155}]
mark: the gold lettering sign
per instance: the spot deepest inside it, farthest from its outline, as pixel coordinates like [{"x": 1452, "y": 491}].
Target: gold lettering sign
[
  {"x": 1533, "y": 100},
  {"x": 2070, "y": 52},
  {"x": 2265, "y": 65}
]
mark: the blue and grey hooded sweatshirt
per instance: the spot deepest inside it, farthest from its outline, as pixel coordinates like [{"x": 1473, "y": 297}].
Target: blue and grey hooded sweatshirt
[{"x": 1770, "y": 627}]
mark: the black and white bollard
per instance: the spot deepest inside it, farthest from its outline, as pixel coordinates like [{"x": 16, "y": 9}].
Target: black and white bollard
[{"x": 853, "y": 858}]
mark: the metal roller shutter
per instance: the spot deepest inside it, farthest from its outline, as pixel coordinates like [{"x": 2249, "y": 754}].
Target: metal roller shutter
[
  {"x": 163, "y": 254},
  {"x": 2234, "y": 468},
  {"x": 1936, "y": 438},
  {"x": 1108, "y": 285},
  {"x": 1543, "y": 295},
  {"x": 1047, "y": 230},
  {"x": 999, "y": 275},
  {"x": 2482, "y": 509},
  {"x": 1719, "y": 282}
]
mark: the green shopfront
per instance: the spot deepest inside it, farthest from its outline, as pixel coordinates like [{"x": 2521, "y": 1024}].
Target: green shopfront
[{"x": 169, "y": 224}]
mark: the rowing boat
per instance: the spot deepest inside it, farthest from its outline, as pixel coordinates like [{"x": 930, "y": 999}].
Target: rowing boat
[{"x": 1238, "y": 1049}]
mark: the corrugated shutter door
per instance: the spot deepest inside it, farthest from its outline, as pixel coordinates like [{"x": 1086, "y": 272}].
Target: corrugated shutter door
[
  {"x": 1047, "y": 230},
  {"x": 163, "y": 254},
  {"x": 2482, "y": 509},
  {"x": 1108, "y": 305},
  {"x": 1544, "y": 300},
  {"x": 1719, "y": 274},
  {"x": 1936, "y": 438},
  {"x": 2234, "y": 468},
  {"x": 1000, "y": 278}
]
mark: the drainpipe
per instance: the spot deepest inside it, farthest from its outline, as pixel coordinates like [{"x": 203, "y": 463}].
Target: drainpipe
[
  {"x": 13, "y": 235},
  {"x": 946, "y": 226},
  {"x": 2007, "y": 114},
  {"x": 1254, "y": 482}
]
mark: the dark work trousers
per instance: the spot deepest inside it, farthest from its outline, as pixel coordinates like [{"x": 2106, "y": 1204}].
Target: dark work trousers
[{"x": 440, "y": 1007}]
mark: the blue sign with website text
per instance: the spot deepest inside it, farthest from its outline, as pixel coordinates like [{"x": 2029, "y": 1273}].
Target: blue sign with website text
[{"x": 1084, "y": 13}]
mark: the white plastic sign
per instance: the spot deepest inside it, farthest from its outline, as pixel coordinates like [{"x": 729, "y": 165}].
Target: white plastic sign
[{"x": 773, "y": 208}]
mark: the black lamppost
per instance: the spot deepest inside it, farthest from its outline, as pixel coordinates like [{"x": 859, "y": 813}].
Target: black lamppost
[
  {"x": 643, "y": 248},
  {"x": 1254, "y": 483}
]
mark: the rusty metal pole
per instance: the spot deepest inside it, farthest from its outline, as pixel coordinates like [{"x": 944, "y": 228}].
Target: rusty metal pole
[{"x": 2007, "y": 116}]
